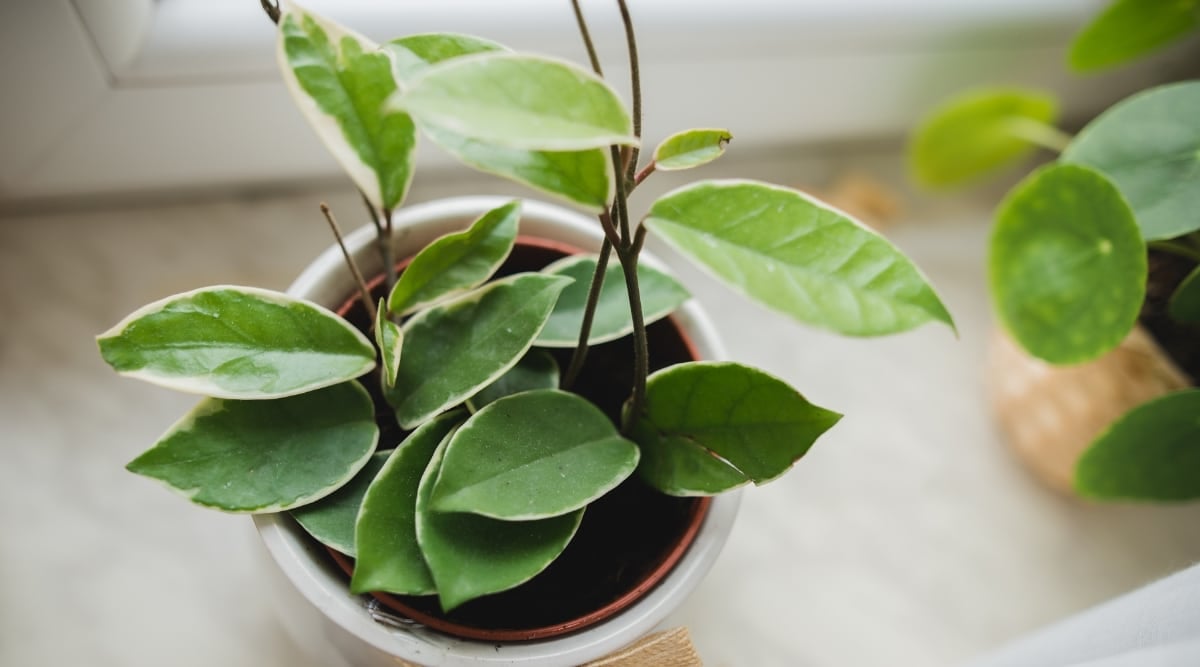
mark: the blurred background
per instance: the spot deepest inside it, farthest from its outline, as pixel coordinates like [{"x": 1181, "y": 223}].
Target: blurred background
[{"x": 149, "y": 146}]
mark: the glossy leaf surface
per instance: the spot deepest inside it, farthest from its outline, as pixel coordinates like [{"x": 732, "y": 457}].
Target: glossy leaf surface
[
  {"x": 237, "y": 342},
  {"x": 661, "y": 295},
  {"x": 798, "y": 256},
  {"x": 389, "y": 557},
  {"x": 454, "y": 349},
  {"x": 265, "y": 456},
  {"x": 1127, "y": 29},
  {"x": 413, "y": 54},
  {"x": 1151, "y": 453},
  {"x": 536, "y": 370},
  {"x": 1149, "y": 146},
  {"x": 471, "y": 555},
  {"x": 690, "y": 148},
  {"x": 709, "y": 427},
  {"x": 457, "y": 262},
  {"x": 330, "y": 520},
  {"x": 389, "y": 338},
  {"x": 532, "y": 455},
  {"x": 1067, "y": 266},
  {"x": 977, "y": 133},
  {"x": 339, "y": 81}
]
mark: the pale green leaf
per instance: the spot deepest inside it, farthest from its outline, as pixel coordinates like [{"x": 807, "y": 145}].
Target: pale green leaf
[
  {"x": 536, "y": 370},
  {"x": 471, "y": 555},
  {"x": 690, "y": 148},
  {"x": 1184, "y": 305},
  {"x": 1149, "y": 146},
  {"x": 661, "y": 295},
  {"x": 340, "y": 81},
  {"x": 457, "y": 262},
  {"x": 265, "y": 456},
  {"x": 978, "y": 132},
  {"x": 709, "y": 427},
  {"x": 518, "y": 101},
  {"x": 532, "y": 455},
  {"x": 330, "y": 520},
  {"x": 1127, "y": 29},
  {"x": 1067, "y": 265},
  {"x": 798, "y": 256},
  {"x": 454, "y": 349},
  {"x": 1150, "y": 453},
  {"x": 237, "y": 342},
  {"x": 413, "y": 54},
  {"x": 389, "y": 338},
  {"x": 389, "y": 556}
]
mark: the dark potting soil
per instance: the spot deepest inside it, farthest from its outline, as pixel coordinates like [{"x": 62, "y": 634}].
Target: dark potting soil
[
  {"x": 1181, "y": 341},
  {"x": 624, "y": 535}
]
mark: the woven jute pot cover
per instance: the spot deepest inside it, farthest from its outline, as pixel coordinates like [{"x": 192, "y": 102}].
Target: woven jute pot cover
[{"x": 1050, "y": 414}]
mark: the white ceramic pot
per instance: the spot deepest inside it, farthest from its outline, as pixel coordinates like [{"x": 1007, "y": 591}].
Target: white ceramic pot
[{"x": 335, "y": 627}]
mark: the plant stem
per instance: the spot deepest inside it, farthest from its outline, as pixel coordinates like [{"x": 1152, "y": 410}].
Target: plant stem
[
  {"x": 364, "y": 292},
  {"x": 635, "y": 85},
  {"x": 587, "y": 39},
  {"x": 589, "y": 314},
  {"x": 620, "y": 203},
  {"x": 1040, "y": 134},
  {"x": 272, "y": 10},
  {"x": 641, "y": 175},
  {"x": 1176, "y": 248},
  {"x": 641, "y": 349},
  {"x": 381, "y": 245},
  {"x": 389, "y": 254}
]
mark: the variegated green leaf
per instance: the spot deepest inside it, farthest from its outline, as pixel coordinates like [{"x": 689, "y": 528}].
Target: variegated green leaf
[
  {"x": 536, "y": 370},
  {"x": 389, "y": 338},
  {"x": 690, "y": 148},
  {"x": 413, "y": 54},
  {"x": 331, "y": 519}
]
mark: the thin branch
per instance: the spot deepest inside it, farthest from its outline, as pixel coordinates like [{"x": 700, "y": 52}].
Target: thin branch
[
  {"x": 641, "y": 175},
  {"x": 635, "y": 85},
  {"x": 641, "y": 350},
  {"x": 1177, "y": 248},
  {"x": 610, "y": 232},
  {"x": 364, "y": 292},
  {"x": 1040, "y": 134},
  {"x": 272, "y": 10},
  {"x": 587, "y": 38},
  {"x": 620, "y": 201},
  {"x": 589, "y": 314},
  {"x": 388, "y": 252}
]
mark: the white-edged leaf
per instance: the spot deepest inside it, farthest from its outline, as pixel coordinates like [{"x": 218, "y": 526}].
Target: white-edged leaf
[
  {"x": 536, "y": 370},
  {"x": 390, "y": 339},
  {"x": 690, "y": 148},
  {"x": 330, "y": 520}
]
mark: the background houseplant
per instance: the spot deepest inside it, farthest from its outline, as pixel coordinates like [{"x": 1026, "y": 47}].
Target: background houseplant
[
  {"x": 286, "y": 369},
  {"x": 1069, "y": 252}
]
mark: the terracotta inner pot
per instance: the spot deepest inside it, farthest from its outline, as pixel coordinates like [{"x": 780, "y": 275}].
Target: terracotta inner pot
[{"x": 629, "y": 540}]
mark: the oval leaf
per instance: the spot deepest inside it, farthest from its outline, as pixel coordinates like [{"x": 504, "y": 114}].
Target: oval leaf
[
  {"x": 340, "y": 80},
  {"x": 471, "y": 555},
  {"x": 1067, "y": 266},
  {"x": 454, "y": 349},
  {"x": 457, "y": 262},
  {"x": 389, "y": 557},
  {"x": 389, "y": 338},
  {"x": 1127, "y": 29},
  {"x": 1151, "y": 453},
  {"x": 536, "y": 370},
  {"x": 330, "y": 520},
  {"x": 661, "y": 295},
  {"x": 533, "y": 455},
  {"x": 413, "y": 54},
  {"x": 265, "y": 456},
  {"x": 690, "y": 148},
  {"x": 976, "y": 133},
  {"x": 237, "y": 342},
  {"x": 709, "y": 427},
  {"x": 1149, "y": 145},
  {"x": 798, "y": 256},
  {"x": 1185, "y": 302},
  {"x": 519, "y": 101}
]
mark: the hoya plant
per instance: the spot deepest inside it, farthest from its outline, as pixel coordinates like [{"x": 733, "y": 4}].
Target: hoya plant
[
  {"x": 497, "y": 458},
  {"x": 1069, "y": 250}
]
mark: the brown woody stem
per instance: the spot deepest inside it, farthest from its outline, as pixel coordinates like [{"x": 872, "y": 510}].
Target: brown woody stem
[{"x": 364, "y": 292}]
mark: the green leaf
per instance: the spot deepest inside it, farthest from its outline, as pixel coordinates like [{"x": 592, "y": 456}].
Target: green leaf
[
  {"x": 580, "y": 177},
  {"x": 661, "y": 295},
  {"x": 237, "y": 342},
  {"x": 389, "y": 338},
  {"x": 265, "y": 456},
  {"x": 1067, "y": 265},
  {"x": 1149, "y": 145},
  {"x": 471, "y": 555},
  {"x": 532, "y": 455},
  {"x": 977, "y": 133},
  {"x": 690, "y": 148},
  {"x": 519, "y": 101},
  {"x": 1127, "y": 29},
  {"x": 1184, "y": 305},
  {"x": 1150, "y": 453},
  {"x": 536, "y": 370},
  {"x": 340, "y": 80},
  {"x": 389, "y": 557},
  {"x": 330, "y": 520},
  {"x": 798, "y": 256},
  {"x": 458, "y": 262},
  {"x": 709, "y": 427},
  {"x": 454, "y": 349}
]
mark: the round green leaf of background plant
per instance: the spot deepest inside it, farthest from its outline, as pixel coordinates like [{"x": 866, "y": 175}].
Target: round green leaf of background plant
[
  {"x": 266, "y": 456},
  {"x": 331, "y": 519},
  {"x": 1149, "y": 146},
  {"x": 1151, "y": 453},
  {"x": 1185, "y": 302},
  {"x": 1067, "y": 265},
  {"x": 1129, "y": 28}
]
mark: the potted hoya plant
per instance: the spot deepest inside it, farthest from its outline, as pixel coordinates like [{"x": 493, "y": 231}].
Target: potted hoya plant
[
  {"x": 481, "y": 430},
  {"x": 1094, "y": 267}
]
